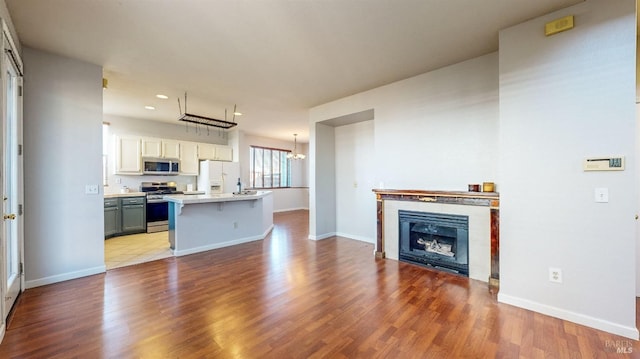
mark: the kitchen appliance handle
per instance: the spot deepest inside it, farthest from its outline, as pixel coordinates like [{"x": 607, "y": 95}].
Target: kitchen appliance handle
[
  {"x": 133, "y": 205},
  {"x": 156, "y": 201}
]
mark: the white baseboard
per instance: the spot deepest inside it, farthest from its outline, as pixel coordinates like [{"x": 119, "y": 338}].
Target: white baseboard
[
  {"x": 322, "y": 236},
  {"x": 3, "y": 328},
  {"x": 357, "y": 237},
  {"x": 607, "y": 326},
  {"x": 290, "y": 209},
  {"x": 65, "y": 276},
  {"x": 222, "y": 244}
]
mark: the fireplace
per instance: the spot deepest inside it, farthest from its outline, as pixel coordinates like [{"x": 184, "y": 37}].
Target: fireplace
[{"x": 438, "y": 240}]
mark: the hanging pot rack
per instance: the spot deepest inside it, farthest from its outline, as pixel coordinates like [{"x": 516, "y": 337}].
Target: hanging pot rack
[{"x": 206, "y": 121}]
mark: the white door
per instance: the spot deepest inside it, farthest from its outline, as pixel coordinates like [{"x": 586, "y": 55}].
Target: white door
[{"x": 11, "y": 181}]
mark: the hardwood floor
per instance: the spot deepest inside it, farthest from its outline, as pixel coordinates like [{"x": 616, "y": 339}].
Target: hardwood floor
[{"x": 286, "y": 297}]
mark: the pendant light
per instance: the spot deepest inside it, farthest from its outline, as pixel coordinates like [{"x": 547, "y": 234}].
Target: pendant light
[{"x": 295, "y": 155}]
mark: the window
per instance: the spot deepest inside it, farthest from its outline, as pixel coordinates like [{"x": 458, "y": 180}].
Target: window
[{"x": 270, "y": 167}]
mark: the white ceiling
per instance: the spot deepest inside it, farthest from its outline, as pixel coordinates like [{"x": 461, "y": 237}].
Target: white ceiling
[{"x": 273, "y": 58}]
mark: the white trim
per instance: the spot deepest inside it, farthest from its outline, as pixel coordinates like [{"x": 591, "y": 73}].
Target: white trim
[
  {"x": 607, "y": 326},
  {"x": 356, "y": 237},
  {"x": 65, "y": 276},
  {"x": 222, "y": 245},
  {"x": 322, "y": 236},
  {"x": 14, "y": 49},
  {"x": 3, "y": 328},
  {"x": 291, "y": 209}
]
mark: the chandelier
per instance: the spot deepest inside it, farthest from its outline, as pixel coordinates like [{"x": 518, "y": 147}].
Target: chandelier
[{"x": 294, "y": 154}]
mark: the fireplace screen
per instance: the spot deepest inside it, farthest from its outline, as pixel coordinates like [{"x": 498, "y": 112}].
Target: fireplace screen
[{"x": 438, "y": 240}]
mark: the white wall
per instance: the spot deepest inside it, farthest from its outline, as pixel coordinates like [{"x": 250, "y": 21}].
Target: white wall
[
  {"x": 637, "y": 163},
  {"x": 177, "y": 130},
  {"x": 284, "y": 199},
  {"x": 564, "y": 98},
  {"x": 322, "y": 183},
  {"x": 355, "y": 173},
  {"x": 435, "y": 131},
  {"x": 62, "y": 154}
]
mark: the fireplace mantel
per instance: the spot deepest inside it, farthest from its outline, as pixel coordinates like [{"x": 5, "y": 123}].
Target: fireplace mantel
[{"x": 483, "y": 199}]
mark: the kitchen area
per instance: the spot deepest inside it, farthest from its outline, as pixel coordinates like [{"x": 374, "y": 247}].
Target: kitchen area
[{"x": 142, "y": 170}]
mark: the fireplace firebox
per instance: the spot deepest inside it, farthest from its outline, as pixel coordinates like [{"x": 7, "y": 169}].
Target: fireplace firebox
[{"x": 437, "y": 240}]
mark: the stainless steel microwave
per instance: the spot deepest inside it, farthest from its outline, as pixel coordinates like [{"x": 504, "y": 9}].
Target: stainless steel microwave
[{"x": 160, "y": 166}]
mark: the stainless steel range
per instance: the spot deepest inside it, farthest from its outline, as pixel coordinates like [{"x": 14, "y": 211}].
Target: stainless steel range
[{"x": 158, "y": 208}]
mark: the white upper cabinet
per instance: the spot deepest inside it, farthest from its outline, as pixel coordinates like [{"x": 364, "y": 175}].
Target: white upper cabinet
[
  {"x": 151, "y": 147},
  {"x": 160, "y": 148},
  {"x": 189, "y": 158},
  {"x": 128, "y": 153},
  {"x": 131, "y": 149},
  {"x": 224, "y": 153},
  {"x": 207, "y": 151},
  {"x": 170, "y": 149}
]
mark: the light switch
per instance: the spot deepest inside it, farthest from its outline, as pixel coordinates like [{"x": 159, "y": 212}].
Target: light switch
[
  {"x": 602, "y": 195},
  {"x": 91, "y": 189}
]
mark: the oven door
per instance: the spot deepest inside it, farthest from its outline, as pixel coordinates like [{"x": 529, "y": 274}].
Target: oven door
[{"x": 157, "y": 215}]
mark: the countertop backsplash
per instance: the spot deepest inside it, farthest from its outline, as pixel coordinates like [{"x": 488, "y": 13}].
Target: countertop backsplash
[{"x": 132, "y": 183}]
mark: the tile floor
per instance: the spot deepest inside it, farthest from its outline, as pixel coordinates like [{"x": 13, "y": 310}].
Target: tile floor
[{"x": 136, "y": 248}]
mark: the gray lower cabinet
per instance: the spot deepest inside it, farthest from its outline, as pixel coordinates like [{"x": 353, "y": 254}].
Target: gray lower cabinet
[
  {"x": 133, "y": 215},
  {"x": 112, "y": 217},
  {"x": 124, "y": 215}
]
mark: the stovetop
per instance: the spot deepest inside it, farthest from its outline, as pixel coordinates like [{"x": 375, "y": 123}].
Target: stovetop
[
  {"x": 162, "y": 191},
  {"x": 158, "y": 189}
]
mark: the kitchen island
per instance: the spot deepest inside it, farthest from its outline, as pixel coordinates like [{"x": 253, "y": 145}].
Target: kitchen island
[{"x": 200, "y": 223}]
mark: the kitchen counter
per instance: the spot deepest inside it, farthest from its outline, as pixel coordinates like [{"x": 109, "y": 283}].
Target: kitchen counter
[
  {"x": 128, "y": 194},
  {"x": 200, "y": 223},
  {"x": 192, "y": 192},
  {"x": 183, "y": 199}
]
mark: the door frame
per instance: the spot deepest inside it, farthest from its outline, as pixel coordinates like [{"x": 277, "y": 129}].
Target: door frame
[{"x": 8, "y": 46}]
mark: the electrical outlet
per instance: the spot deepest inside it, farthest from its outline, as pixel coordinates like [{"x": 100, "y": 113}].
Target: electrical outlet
[
  {"x": 91, "y": 189},
  {"x": 601, "y": 195},
  {"x": 555, "y": 275},
  {"x": 118, "y": 180}
]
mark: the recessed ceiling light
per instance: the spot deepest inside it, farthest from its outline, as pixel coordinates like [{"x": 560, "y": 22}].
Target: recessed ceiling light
[
  {"x": 238, "y": 113},
  {"x": 164, "y": 97},
  {"x": 150, "y": 107}
]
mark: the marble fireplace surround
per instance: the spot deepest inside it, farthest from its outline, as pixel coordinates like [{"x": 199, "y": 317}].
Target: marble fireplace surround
[{"x": 484, "y": 220}]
